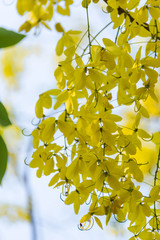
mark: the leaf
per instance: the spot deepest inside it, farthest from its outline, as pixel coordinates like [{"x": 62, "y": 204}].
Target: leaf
[
  {"x": 59, "y": 184},
  {"x": 79, "y": 61},
  {"x": 142, "y": 15},
  {"x": 59, "y": 27},
  {"x": 132, "y": 4},
  {"x": 137, "y": 173},
  {"x": 132, "y": 238},
  {"x": 112, "y": 3},
  {"x": 60, "y": 47},
  {"x": 85, "y": 218},
  {"x": 49, "y": 167},
  {"x": 4, "y": 120},
  {"x": 85, "y": 3},
  {"x": 146, "y": 235},
  {"x": 35, "y": 140},
  {"x": 74, "y": 32},
  {"x": 60, "y": 79},
  {"x": 111, "y": 47},
  {"x": 73, "y": 169},
  {"x": 54, "y": 180},
  {"x": 39, "y": 109},
  {"x": 120, "y": 216},
  {"x": 63, "y": 11},
  {"x": 9, "y": 38},
  {"x": 155, "y": 12},
  {"x": 53, "y": 92},
  {"x": 98, "y": 222},
  {"x": 136, "y": 194},
  {"x": 143, "y": 134},
  {"x": 108, "y": 216},
  {"x": 46, "y": 100},
  {"x": 156, "y": 138},
  {"x": 49, "y": 129},
  {"x": 63, "y": 96},
  {"x": 73, "y": 152},
  {"x": 138, "y": 54},
  {"x": 144, "y": 112},
  {"x": 76, "y": 204},
  {"x": 80, "y": 78},
  {"x": 25, "y": 5},
  {"x": 155, "y": 193},
  {"x": 146, "y": 210},
  {"x": 72, "y": 197},
  {"x": 113, "y": 183},
  {"x": 3, "y": 158}
]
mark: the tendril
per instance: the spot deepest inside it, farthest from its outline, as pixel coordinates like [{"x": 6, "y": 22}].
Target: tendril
[
  {"x": 119, "y": 220},
  {"x": 136, "y": 109},
  {"x": 90, "y": 200},
  {"x": 35, "y": 124},
  {"x": 148, "y": 140},
  {"x": 65, "y": 189},
  {"x": 27, "y": 164},
  {"x": 87, "y": 225},
  {"x": 24, "y": 134},
  {"x": 61, "y": 197},
  {"x": 125, "y": 146}
]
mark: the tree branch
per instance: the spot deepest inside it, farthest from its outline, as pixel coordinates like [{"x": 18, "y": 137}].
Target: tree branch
[
  {"x": 121, "y": 10},
  {"x": 155, "y": 183}
]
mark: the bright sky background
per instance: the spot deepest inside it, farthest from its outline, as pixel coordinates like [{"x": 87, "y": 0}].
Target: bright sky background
[{"x": 54, "y": 219}]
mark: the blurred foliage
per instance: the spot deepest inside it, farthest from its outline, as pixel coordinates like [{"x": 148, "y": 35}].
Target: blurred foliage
[
  {"x": 12, "y": 65},
  {"x": 8, "y": 38},
  {"x": 14, "y": 213}
]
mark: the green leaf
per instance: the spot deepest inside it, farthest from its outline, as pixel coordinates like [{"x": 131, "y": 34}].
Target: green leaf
[
  {"x": 156, "y": 138},
  {"x": 4, "y": 120},
  {"x": 9, "y": 38},
  {"x": 3, "y": 158},
  {"x": 98, "y": 222}
]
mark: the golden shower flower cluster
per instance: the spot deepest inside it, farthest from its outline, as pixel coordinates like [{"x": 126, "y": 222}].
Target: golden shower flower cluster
[
  {"x": 41, "y": 11},
  {"x": 83, "y": 144}
]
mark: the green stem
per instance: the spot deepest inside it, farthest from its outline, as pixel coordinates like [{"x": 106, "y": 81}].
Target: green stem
[
  {"x": 95, "y": 37},
  {"x": 81, "y": 40},
  {"x": 155, "y": 183},
  {"x": 156, "y": 39},
  {"x": 136, "y": 235},
  {"x": 117, "y": 34},
  {"x": 88, "y": 25}
]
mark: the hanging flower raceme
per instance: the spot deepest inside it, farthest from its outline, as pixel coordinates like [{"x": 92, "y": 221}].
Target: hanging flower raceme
[{"x": 82, "y": 143}]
